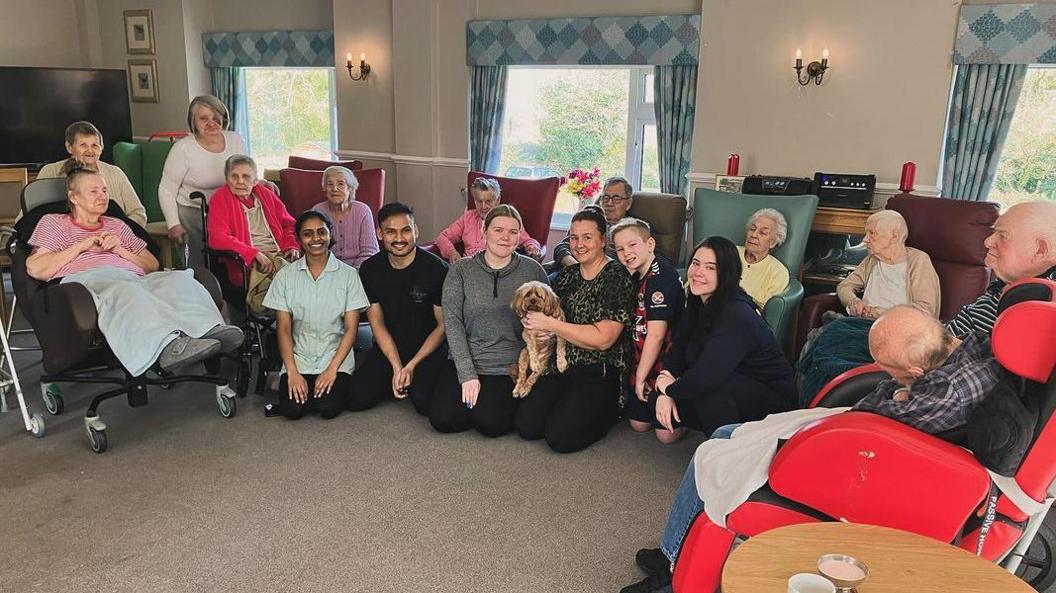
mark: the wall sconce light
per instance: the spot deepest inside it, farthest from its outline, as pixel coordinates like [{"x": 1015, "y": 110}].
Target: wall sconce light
[
  {"x": 815, "y": 70},
  {"x": 364, "y": 67}
]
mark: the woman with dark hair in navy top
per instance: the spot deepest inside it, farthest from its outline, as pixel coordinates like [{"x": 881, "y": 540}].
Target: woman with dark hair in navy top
[{"x": 724, "y": 366}]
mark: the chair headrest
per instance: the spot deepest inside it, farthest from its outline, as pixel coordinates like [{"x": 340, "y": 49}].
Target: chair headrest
[
  {"x": 1022, "y": 339},
  {"x": 43, "y": 191}
]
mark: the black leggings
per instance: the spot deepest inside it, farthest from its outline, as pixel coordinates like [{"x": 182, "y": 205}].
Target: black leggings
[
  {"x": 493, "y": 414},
  {"x": 739, "y": 399},
  {"x": 571, "y": 410},
  {"x": 374, "y": 382},
  {"x": 328, "y": 406}
]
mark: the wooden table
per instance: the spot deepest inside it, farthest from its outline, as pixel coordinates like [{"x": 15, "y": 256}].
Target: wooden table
[
  {"x": 899, "y": 562},
  {"x": 840, "y": 221},
  {"x": 160, "y": 233}
]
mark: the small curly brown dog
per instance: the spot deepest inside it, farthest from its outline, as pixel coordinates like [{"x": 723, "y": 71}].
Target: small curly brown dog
[{"x": 535, "y": 358}]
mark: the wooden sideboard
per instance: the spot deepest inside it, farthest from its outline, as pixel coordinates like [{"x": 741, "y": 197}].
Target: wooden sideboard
[{"x": 840, "y": 221}]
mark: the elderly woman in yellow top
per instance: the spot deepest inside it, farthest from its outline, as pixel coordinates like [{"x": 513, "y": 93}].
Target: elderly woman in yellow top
[
  {"x": 763, "y": 275},
  {"x": 891, "y": 275}
]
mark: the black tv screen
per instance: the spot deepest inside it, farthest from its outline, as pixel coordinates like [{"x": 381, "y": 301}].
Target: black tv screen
[{"x": 36, "y": 105}]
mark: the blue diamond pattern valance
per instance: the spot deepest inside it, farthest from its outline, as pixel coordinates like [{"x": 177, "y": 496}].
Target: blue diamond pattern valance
[
  {"x": 276, "y": 49},
  {"x": 624, "y": 40},
  {"x": 1006, "y": 34}
]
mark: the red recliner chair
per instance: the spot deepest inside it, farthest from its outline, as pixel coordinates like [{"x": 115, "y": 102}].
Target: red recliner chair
[
  {"x": 951, "y": 232},
  {"x": 869, "y": 469},
  {"x": 302, "y": 189}
]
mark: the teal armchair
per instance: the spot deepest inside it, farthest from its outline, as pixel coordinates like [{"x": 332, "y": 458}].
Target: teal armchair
[
  {"x": 143, "y": 163},
  {"x": 725, "y": 214}
]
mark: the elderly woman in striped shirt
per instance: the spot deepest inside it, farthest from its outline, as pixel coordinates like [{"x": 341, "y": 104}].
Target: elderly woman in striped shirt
[{"x": 147, "y": 316}]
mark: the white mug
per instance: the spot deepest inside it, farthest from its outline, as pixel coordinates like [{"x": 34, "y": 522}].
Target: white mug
[{"x": 806, "y": 582}]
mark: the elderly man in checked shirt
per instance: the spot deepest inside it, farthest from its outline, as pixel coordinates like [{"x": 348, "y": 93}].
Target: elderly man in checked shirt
[{"x": 937, "y": 380}]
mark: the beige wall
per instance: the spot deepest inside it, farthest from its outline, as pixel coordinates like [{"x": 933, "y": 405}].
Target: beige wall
[
  {"x": 882, "y": 103},
  {"x": 48, "y": 33},
  {"x": 272, "y": 15}
]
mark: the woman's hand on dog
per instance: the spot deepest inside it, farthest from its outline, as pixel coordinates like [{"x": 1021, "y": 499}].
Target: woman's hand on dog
[
  {"x": 470, "y": 392},
  {"x": 534, "y": 320}
]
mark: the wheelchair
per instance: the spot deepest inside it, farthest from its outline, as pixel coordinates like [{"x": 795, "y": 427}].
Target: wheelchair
[
  {"x": 869, "y": 469},
  {"x": 65, "y": 320}
]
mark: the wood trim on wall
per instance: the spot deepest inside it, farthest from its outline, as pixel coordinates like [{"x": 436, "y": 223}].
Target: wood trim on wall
[{"x": 405, "y": 159}]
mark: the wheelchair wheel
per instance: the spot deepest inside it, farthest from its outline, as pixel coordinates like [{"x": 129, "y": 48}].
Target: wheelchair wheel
[
  {"x": 228, "y": 406},
  {"x": 97, "y": 438},
  {"x": 36, "y": 425},
  {"x": 1036, "y": 568},
  {"x": 53, "y": 401}
]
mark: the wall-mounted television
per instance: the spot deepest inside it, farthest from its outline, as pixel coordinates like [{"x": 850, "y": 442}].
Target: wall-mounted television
[{"x": 36, "y": 105}]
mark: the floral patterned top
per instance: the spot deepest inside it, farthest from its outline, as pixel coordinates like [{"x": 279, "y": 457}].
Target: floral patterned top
[{"x": 610, "y": 295}]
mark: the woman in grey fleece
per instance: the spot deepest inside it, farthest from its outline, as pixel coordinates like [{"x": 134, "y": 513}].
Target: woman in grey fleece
[{"x": 475, "y": 389}]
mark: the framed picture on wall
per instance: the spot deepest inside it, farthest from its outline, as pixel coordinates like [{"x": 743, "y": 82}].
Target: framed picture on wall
[
  {"x": 730, "y": 183},
  {"x": 139, "y": 32},
  {"x": 143, "y": 80}
]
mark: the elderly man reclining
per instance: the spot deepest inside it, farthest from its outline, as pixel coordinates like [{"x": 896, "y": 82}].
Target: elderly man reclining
[
  {"x": 145, "y": 315},
  {"x": 936, "y": 382}
]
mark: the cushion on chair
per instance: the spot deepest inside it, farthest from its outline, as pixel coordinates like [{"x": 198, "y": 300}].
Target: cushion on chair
[
  {"x": 951, "y": 232},
  {"x": 300, "y": 162},
  {"x": 301, "y": 189},
  {"x": 533, "y": 198},
  {"x": 371, "y": 189},
  {"x": 666, "y": 214}
]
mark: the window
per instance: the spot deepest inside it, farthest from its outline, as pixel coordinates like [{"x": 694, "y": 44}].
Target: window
[
  {"x": 560, "y": 118},
  {"x": 291, "y": 111},
  {"x": 1027, "y": 169}
]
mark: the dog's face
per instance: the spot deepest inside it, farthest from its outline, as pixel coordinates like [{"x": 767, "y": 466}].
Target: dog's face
[{"x": 535, "y": 296}]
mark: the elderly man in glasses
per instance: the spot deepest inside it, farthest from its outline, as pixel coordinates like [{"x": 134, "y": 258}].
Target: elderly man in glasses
[{"x": 615, "y": 201}]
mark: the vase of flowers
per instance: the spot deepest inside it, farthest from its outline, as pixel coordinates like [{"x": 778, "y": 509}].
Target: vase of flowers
[{"x": 584, "y": 184}]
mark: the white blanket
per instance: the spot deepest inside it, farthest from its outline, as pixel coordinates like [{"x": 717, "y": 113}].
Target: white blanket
[
  {"x": 729, "y": 470},
  {"x": 140, "y": 315}
]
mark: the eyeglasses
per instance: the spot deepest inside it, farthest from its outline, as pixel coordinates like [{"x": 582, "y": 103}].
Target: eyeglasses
[{"x": 607, "y": 199}]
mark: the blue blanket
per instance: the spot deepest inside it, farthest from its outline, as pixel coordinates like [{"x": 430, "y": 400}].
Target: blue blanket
[{"x": 841, "y": 345}]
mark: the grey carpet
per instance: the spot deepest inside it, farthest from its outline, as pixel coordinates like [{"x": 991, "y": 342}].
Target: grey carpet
[{"x": 375, "y": 501}]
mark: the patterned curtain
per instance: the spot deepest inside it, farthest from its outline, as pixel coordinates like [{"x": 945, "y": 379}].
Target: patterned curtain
[
  {"x": 675, "y": 99},
  {"x": 487, "y": 105},
  {"x": 229, "y": 85},
  {"x": 981, "y": 107}
]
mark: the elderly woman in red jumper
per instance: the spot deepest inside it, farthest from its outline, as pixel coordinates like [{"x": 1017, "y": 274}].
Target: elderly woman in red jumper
[{"x": 246, "y": 217}]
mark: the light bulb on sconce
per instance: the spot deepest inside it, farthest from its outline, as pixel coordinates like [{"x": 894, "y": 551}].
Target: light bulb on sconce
[
  {"x": 815, "y": 70},
  {"x": 364, "y": 67}
]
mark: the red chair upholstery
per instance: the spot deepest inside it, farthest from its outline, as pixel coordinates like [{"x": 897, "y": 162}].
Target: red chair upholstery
[
  {"x": 533, "y": 198},
  {"x": 303, "y": 189},
  {"x": 300, "y": 162},
  {"x": 874, "y": 470},
  {"x": 951, "y": 232}
]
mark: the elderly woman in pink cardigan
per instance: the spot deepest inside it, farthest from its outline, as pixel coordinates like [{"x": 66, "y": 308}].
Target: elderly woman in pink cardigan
[
  {"x": 353, "y": 234},
  {"x": 468, "y": 229}
]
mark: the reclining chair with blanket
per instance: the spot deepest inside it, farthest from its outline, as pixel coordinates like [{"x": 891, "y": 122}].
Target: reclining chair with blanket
[
  {"x": 64, "y": 318},
  {"x": 914, "y": 481}
]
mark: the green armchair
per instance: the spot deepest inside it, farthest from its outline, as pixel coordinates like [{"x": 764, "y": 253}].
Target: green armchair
[
  {"x": 143, "y": 164},
  {"x": 725, "y": 214}
]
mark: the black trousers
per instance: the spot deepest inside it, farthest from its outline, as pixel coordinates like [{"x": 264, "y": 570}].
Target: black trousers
[
  {"x": 373, "y": 381},
  {"x": 328, "y": 406},
  {"x": 571, "y": 410},
  {"x": 493, "y": 414},
  {"x": 739, "y": 399}
]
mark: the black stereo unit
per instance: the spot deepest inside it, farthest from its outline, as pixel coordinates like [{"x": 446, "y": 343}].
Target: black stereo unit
[
  {"x": 845, "y": 190},
  {"x": 772, "y": 185}
]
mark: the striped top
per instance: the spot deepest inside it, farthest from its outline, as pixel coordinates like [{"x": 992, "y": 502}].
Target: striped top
[
  {"x": 57, "y": 232},
  {"x": 980, "y": 315}
]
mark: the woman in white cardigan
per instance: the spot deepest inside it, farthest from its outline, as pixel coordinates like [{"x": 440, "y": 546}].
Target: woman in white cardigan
[{"x": 196, "y": 163}]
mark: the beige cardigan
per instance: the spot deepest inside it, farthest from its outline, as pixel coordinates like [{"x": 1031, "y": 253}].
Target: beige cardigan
[{"x": 922, "y": 282}]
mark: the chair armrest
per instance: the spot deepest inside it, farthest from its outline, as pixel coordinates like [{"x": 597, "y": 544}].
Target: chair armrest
[
  {"x": 810, "y": 315},
  {"x": 847, "y": 389},
  {"x": 66, "y": 325},
  {"x": 780, "y": 308},
  {"x": 211, "y": 284},
  {"x": 870, "y": 469}
]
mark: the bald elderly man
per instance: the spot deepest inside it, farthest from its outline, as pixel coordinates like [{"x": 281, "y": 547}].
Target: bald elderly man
[
  {"x": 937, "y": 380},
  {"x": 1023, "y": 245}
]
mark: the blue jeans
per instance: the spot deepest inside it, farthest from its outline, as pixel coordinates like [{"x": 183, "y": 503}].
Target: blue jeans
[{"x": 687, "y": 505}]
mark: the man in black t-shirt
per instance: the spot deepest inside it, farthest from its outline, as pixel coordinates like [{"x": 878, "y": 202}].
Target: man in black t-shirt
[{"x": 403, "y": 284}]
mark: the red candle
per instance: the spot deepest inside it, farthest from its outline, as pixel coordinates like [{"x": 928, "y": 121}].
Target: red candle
[
  {"x": 733, "y": 164},
  {"x": 909, "y": 171}
]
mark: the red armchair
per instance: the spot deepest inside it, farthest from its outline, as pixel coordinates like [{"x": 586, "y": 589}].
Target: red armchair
[
  {"x": 302, "y": 189},
  {"x": 870, "y": 469},
  {"x": 951, "y": 232},
  {"x": 301, "y": 162}
]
